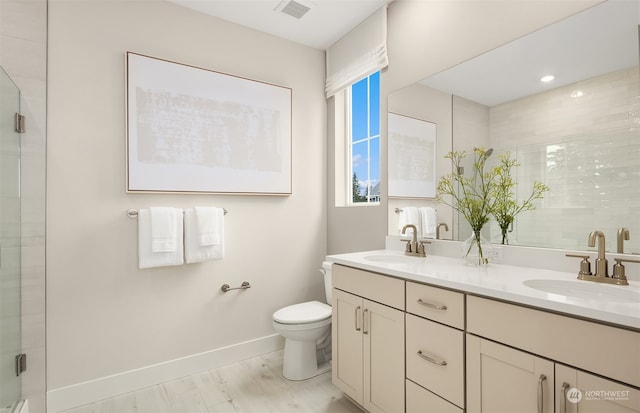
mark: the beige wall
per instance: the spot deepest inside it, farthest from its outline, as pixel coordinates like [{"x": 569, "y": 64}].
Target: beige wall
[
  {"x": 425, "y": 37},
  {"x": 104, "y": 315},
  {"x": 23, "y": 55}
]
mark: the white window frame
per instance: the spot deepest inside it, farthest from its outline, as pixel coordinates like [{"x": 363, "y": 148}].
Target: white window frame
[{"x": 349, "y": 149}]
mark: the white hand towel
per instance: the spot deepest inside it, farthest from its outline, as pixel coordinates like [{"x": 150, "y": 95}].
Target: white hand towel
[
  {"x": 193, "y": 251},
  {"x": 429, "y": 218},
  {"x": 409, "y": 215},
  {"x": 207, "y": 221},
  {"x": 164, "y": 228},
  {"x": 147, "y": 258}
]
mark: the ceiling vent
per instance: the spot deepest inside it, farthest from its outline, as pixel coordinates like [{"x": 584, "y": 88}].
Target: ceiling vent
[{"x": 293, "y": 8}]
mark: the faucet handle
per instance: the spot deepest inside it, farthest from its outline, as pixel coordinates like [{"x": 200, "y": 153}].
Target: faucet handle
[
  {"x": 618, "y": 270},
  {"x": 585, "y": 265},
  {"x": 421, "y": 250}
]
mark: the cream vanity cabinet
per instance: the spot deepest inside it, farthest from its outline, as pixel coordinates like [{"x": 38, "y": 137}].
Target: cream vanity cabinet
[
  {"x": 368, "y": 338},
  {"x": 434, "y": 349},
  {"x": 518, "y": 359}
]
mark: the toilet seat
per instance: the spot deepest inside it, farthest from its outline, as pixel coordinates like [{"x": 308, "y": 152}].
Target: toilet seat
[{"x": 303, "y": 313}]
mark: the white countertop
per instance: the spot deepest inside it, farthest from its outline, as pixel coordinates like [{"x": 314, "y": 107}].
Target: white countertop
[{"x": 505, "y": 282}]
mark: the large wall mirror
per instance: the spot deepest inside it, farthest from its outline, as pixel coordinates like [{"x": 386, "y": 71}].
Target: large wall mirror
[{"x": 578, "y": 133}]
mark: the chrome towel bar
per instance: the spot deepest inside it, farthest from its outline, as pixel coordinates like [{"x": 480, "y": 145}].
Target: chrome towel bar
[
  {"x": 133, "y": 213},
  {"x": 399, "y": 210},
  {"x": 243, "y": 286}
]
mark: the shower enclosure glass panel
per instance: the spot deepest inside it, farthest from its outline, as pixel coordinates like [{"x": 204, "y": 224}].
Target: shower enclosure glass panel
[{"x": 10, "y": 307}]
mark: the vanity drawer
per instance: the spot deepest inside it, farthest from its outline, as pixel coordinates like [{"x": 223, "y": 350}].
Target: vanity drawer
[
  {"x": 376, "y": 287},
  {"x": 420, "y": 400},
  {"x": 427, "y": 339},
  {"x": 436, "y": 304}
]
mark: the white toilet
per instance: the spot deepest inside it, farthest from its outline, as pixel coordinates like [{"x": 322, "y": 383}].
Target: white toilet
[{"x": 306, "y": 328}]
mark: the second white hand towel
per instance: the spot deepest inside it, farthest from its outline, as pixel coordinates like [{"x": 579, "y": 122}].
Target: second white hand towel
[
  {"x": 428, "y": 217},
  {"x": 193, "y": 250},
  {"x": 207, "y": 221}
]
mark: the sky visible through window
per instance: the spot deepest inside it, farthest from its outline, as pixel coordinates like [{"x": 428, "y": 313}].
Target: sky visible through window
[{"x": 365, "y": 134}]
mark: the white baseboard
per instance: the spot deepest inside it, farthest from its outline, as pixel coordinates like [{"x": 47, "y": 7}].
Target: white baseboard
[{"x": 94, "y": 390}]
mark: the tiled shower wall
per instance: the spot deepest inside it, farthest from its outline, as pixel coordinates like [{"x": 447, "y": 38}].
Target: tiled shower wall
[
  {"x": 582, "y": 140},
  {"x": 23, "y": 49}
]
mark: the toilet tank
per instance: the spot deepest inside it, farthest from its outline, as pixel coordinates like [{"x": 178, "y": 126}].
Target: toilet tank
[{"x": 326, "y": 271}]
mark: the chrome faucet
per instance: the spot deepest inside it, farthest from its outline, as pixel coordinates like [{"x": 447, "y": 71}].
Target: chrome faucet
[
  {"x": 413, "y": 247},
  {"x": 602, "y": 270},
  {"x": 446, "y": 228},
  {"x": 623, "y": 234}
]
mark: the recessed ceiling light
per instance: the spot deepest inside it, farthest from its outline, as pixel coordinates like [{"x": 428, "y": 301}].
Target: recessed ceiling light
[{"x": 547, "y": 78}]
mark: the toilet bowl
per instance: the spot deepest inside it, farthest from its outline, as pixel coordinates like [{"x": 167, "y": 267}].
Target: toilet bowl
[{"x": 306, "y": 328}]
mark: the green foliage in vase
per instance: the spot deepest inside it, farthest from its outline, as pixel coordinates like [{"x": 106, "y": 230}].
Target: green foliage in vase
[
  {"x": 505, "y": 207},
  {"x": 471, "y": 196}
]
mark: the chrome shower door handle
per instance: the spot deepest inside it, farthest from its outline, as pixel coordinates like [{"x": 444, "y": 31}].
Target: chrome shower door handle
[{"x": 541, "y": 381}]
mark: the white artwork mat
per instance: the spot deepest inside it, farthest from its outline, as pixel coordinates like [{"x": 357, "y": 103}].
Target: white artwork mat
[
  {"x": 411, "y": 157},
  {"x": 196, "y": 130}
]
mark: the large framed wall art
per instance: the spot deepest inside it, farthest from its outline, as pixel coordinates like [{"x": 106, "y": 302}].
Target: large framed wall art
[
  {"x": 193, "y": 130},
  {"x": 411, "y": 157}
]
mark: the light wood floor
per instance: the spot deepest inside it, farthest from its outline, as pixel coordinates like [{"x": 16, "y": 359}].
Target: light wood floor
[{"x": 251, "y": 386}]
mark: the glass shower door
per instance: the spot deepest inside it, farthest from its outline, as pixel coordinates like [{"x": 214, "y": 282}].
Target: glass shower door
[{"x": 10, "y": 234}]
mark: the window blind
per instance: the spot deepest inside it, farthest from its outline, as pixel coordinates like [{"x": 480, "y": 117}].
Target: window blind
[{"x": 358, "y": 54}]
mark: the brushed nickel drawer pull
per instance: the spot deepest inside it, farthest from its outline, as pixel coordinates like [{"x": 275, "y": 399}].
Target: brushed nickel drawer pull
[
  {"x": 563, "y": 404},
  {"x": 431, "y": 305},
  {"x": 357, "y": 318},
  {"x": 364, "y": 321},
  {"x": 541, "y": 381},
  {"x": 431, "y": 359}
]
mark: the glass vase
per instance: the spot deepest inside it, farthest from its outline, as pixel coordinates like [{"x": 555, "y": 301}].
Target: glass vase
[
  {"x": 506, "y": 236},
  {"x": 473, "y": 250},
  {"x": 504, "y": 233}
]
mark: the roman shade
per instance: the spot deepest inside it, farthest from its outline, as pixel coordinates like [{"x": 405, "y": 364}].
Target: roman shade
[{"x": 358, "y": 54}]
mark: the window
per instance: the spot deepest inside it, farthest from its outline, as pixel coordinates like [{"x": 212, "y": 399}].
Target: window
[{"x": 363, "y": 143}]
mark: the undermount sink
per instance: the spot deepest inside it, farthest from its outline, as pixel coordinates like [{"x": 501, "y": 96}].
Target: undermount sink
[
  {"x": 389, "y": 258},
  {"x": 586, "y": 289}
]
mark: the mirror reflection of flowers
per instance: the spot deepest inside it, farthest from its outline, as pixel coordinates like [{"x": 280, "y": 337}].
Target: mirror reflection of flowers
[
  {"x": 505, "y": 207},
  {"x": 471, "y": 196}
]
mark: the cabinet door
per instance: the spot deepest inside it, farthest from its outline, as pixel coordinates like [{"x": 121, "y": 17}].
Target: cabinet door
[
  {"x": 502, "y": 379},
  {"x": 346, "y": 330},
  {"x": 384, "y": 375},
  {"x": 580, "y": 392}
]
